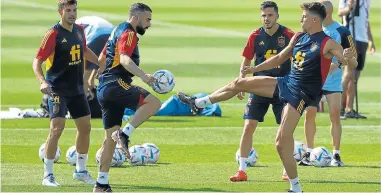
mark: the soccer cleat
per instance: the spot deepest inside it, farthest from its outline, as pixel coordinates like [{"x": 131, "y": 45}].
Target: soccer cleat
[
  {"x": 102, "y": 188},
  {"x": 190, "y": 100},
  {"x": 83, "y": 176},
  {"x": 239, "y": 176},
  {"x": 122, "y": 140},
  {"x": 336, "y": 160},
  {"x": 285, "y": 176},
  {"x": 49, "y": 180},
  {"x": 353, "y": 115},
  {"x": 288, "y": 190},
  {"x": 305, "y": 160}
]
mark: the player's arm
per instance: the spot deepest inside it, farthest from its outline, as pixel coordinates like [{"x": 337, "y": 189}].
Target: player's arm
[
  {"x": 248, "y": 53},
  {"x": 127, "y": 43},
  {"x": 274, "y": 61},
  {"x": 91, "y": 56},
  {"x": 370, "y": 39},
  {"x": 346, "y": 58},
  {"x": 345, "y": 10},
  {"x": 46, "y": 49}
]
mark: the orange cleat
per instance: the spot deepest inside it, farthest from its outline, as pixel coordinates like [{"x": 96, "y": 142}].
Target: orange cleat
[
  {"x": 285, "y": 176},
  {"x": 239, "y": 176}
]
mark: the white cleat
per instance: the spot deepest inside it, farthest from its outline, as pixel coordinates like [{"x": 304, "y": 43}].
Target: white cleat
[
  {"x": 83, "y": 176},
  {"x": 49, "y": 180},
  {"x": 336, "y": 161}
]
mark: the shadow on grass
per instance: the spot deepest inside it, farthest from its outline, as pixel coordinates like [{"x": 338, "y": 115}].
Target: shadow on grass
[{"x": 163, "y": 188}]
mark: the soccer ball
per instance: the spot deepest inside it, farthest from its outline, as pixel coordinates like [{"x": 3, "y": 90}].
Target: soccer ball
[
  {"x": 71, "y": 155},
  {"x": 165, "y": 82},
  {"x": 118, "y": 158},
  {"x": 299, "y": 150},
  {"x": 41, "y": 153},
  {"x": 138, "y": 155},
  {"x": 251, "y": 159},
  {"x": 153, "y": 152},
  {"x": 320, "y": 157}
]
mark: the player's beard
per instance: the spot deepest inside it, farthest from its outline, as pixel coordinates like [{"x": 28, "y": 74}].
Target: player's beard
[{"x": 140, "y": 30}]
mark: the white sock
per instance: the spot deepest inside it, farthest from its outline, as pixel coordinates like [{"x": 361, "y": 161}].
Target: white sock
[
  {"x": 102, "y": 177},
  {"x": 295, "y": 185},
  {"x": 336, "y": 151},
  {"x": 80, "y": 166},
  {"x": 48, "y": 166},
  {"x": 203, "y": 102},
  {"x": 309, "y": 150},
  {"x": 128, "y": 129},
  {"x": 243, "y": 163}
]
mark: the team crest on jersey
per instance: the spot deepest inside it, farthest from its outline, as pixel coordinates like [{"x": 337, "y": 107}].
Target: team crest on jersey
[
  {"x": 314, "y": 46},
  {"x": 281, "y": 41},
  {"x": 79, "y": 35}
]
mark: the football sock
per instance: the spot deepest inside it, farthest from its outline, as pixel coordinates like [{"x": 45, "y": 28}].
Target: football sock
[
  {"x": 203, "y": 102},
  {"x": 102, "y": 177},
  {"x": 128, "y": 129},
  {"x": 336, "y": 151},
  {"x": 48, "y": 166},
  {"x": 295, "y": 185},
  {"x": 242, "y": 163},
  {"x": 80, "y": 166}
]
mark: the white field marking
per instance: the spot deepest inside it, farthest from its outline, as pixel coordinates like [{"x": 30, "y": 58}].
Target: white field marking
[
  {"x": 196, "y": 128},
  {"x": 156, "y": 22}
]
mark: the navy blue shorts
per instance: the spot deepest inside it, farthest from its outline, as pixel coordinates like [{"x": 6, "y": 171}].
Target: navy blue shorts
[
  {"x": 299, "y": 101},
  {"x": 257, "y": 106},
  {"x": 59, "y": 105},
  {"x": 115, "y": 96},
  {"x": 325, "y": 92},
  {"x": 96, "y": 46}
]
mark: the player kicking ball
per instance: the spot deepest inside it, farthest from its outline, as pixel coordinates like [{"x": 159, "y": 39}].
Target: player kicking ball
[
  {"x": 115, "y": 92},
  {"x": 263, "y": 43},
  {"x": 312, "y": 52},
  {"x": 64, "y": 48}
]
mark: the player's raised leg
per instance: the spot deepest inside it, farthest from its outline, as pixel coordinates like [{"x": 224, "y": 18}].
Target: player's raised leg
[
  {"x": 334, "y": 101},
  {"x": 258, "y": 85},
  {"x": 149, "y": 107},
  {"x": 245, "y": 147},
  {"x": 285, "y": 144},
  {"x": 57, "y": 125}
]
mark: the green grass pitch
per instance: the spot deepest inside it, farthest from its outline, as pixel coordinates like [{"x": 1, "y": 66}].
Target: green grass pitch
[{"x": 200, "y": 42}]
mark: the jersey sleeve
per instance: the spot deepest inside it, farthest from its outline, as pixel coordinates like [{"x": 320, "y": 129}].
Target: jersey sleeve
[
  {"x": 84, "y": 37},
  {"x": 289, "y": 33},
  {"x": 127, "y": 42},
  {"x": 48, "y": 45},
  {"x": 248, "y": 51}
]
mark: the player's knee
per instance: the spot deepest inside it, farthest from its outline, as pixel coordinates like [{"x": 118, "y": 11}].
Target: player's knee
[
  {"x": 154, "y": 102},
  {"x": 334, "y": 115},
  {"x": 55, "y": 132},
  {"x": 237, "y": 83},
  {"x": 311, "y": 114},
  {"x": 249, "y": 127}
]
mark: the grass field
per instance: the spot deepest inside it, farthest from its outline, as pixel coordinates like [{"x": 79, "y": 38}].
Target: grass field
[{"x": 200, "y": 42}]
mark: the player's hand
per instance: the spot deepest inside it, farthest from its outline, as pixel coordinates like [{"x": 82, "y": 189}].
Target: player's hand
[
  {"x": 241, "y": 95},
  {"x": 45, "y": 88},
  {"x": 372, "y": 48},
  {"x": 91, "y": 84},
  {"x": 348, "y": 53},
  {"x": 248, "y": 70},
  {"x": 148, "y": 79}
]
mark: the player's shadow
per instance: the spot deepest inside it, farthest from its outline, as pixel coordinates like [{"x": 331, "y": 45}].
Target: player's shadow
[
  {"x": 168, "y": 120},
  {"x": 126, "y": 165},
  {"x": 163, "y": 188}
]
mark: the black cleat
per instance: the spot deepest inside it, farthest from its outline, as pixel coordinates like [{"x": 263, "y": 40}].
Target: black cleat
[
  {"x": 190, "y": 100},
  {"x": 288, "y": 190},
  {"x": 123, "y": 140},
  {"x": 353, "y": 115},
  {"x": 305, "y": 160},
  {"x": 102, "y": 188},
  {"x": 336, "y": 160}
]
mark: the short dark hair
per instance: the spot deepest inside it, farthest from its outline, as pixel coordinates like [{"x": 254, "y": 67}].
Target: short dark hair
[
  {"x": 62, "y": 3},
  {"x": 139, "y": 7},
  {"x": 269, "y": 4},
  {"x": 315, "y": 8}
]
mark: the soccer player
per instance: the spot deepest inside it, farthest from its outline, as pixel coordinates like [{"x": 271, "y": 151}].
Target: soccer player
[
  {"x": 332, "y": 90},
  {"x": 115, "y": 92},
  {"x": 97, "y": 31},
  {"x": 64, "y": 48},
  {"x": 311, "y": 53},
  {"x": 263, "y": 43}
]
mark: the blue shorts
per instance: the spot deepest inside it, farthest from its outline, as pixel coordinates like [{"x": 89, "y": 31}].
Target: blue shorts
[
  {"x": 96, "y": 46},
  {"x": 257, "y": 106},
  {"x": 77, "y": 106},
  {"x": 299, "y": 101},
  {"x": 114, "y": 97}
]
